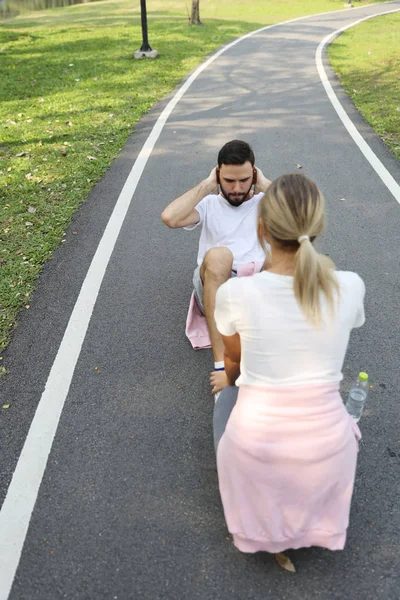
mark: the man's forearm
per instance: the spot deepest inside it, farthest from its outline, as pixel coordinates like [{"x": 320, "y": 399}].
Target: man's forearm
[
  {"x": 265, "y": 185},
  {"x": 181, "y": 208}
]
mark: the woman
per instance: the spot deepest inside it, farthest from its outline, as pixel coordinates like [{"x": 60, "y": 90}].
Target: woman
[{"x": 286, "y": 446}]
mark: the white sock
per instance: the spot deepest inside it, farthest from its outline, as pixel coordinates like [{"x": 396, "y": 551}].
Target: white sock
[{"x": 219, "y": 365}]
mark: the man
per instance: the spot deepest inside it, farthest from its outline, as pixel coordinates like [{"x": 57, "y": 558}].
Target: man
[{"x": 229, "y": 231}]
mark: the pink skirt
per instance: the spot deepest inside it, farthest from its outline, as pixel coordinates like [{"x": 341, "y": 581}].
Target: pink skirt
[{"x": 286, "y": 467}]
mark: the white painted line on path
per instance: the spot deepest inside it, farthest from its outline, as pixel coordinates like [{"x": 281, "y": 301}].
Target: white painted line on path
[
  {"x": 22, "y": 493},
  {"x": 369, "y": 154}
]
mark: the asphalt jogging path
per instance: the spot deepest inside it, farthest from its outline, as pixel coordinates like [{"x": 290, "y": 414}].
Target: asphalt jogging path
[{"x": 128, "y": 505}]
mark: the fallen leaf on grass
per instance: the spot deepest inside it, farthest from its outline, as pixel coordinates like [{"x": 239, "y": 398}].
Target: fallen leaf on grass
[
  {"x": 22, "y": 154},
  {"x": 31, "y": 209},
  {"x": 285, "y": 562},
  {"x": 91, "y": 157},
  {"x": 28, "y": 224}
]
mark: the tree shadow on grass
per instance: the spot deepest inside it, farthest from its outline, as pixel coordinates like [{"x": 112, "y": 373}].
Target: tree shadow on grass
[
  {"x": 109, "y": 13},
  {"x": 39, "y": 66}
]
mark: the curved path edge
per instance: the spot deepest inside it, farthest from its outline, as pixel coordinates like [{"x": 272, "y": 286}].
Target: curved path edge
[{"x": 369, "y": 154}]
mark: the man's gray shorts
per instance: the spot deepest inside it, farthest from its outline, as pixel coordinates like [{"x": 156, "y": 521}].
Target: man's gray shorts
[{"x": 198, "y": 287}]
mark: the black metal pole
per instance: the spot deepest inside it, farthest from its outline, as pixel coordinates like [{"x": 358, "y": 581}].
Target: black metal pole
[{"x": 145, "y": 46}]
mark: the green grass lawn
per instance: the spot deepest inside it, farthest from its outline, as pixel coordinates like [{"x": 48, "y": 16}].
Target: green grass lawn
[
  {"x": 71, "y": 94},
  {"x": 367, "y": 60}
]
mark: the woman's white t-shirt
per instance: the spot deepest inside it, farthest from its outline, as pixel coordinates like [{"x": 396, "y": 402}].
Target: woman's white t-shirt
[{"x": 279, "y": 346}]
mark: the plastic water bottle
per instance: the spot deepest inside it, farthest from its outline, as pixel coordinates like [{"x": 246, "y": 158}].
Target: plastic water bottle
[{"x": 357, "y": 397}]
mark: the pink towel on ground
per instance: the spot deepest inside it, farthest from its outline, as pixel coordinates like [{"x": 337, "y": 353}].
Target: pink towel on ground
[
  {"x": 196, "y": 324},
  {"x": 286, "y": 467}
]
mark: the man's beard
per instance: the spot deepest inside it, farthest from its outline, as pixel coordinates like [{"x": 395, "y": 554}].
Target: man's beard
[{"x": 235, "y": 199}]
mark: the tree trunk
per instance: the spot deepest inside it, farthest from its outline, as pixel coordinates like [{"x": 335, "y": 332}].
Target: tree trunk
[{"x": 195, "y": 18}]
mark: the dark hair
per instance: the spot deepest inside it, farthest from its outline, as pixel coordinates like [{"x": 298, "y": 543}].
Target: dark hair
[{"x": 236, "y": 152}]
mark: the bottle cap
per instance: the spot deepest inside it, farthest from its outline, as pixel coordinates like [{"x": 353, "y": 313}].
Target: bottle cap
[{"x": 363, "y": 376}]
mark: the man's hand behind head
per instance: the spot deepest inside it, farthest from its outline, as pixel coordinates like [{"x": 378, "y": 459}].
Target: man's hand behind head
[
  {"x": 212, "y": 181},
  {"x": 262, "y": 182}
]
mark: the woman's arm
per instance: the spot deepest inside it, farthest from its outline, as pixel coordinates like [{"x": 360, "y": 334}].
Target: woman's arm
[{"x": 232, "y": 353}]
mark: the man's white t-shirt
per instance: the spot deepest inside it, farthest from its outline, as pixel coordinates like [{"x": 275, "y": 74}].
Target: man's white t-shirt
[
  {"x": 279, "y": 346},
  {"x": 233, "y": 227}
]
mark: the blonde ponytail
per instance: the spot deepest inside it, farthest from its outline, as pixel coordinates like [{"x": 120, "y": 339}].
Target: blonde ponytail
[
  {"x": 293, "y": 213},
  {"x": 313, "y": 272}
]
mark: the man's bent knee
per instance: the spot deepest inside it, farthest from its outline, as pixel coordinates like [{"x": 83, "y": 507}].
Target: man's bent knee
[{"x": 217, "y": 263}]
